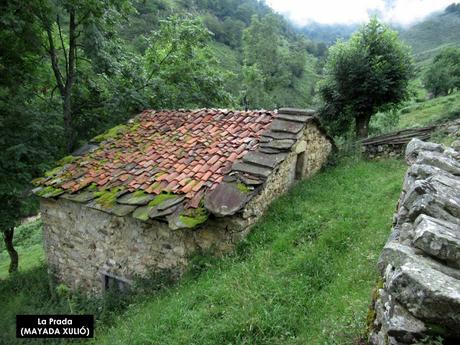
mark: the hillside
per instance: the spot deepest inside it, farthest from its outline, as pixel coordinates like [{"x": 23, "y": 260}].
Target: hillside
[
  {"x": 291, "y": 85},
  {"x": 328, "y": 33},
  {"x": 438, "y": 31}
]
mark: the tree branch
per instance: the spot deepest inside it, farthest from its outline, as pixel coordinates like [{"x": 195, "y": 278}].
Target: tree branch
[
  {"x": 54, "y": 61},
  {"x": 58, "y": 21}
]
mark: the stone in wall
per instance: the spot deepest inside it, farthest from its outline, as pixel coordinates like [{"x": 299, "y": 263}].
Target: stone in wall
[{"x": 420, "y": 264}]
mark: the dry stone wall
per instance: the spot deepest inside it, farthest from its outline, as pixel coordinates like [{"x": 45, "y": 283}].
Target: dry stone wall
[
  {"x": 419, "y": 293},
  {"x": 84, "y": 245},
  {"x": 394, "y": 144}
]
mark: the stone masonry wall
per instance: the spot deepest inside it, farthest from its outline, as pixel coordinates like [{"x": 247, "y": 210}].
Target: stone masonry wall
[
  {"x": 82, "y": 243},
  {"x": 419, "y": 293}
]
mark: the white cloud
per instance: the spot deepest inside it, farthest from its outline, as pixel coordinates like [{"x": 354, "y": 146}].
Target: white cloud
[{"x": 402, "y": 12}]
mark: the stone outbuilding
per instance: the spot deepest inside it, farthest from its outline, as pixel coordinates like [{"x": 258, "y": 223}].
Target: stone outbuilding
[{"x": 146, "y": 196}]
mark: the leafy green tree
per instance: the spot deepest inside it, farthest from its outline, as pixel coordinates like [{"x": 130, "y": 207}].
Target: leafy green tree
[
  {"x": 367, "y": 74},
  {"x": 273, "y": 66},
  {"x": 181, "y": 70},
  {"x": 443, "y": 76},
  {"x": 29, "y": 128},
  {"x": 67, "y": 24}
]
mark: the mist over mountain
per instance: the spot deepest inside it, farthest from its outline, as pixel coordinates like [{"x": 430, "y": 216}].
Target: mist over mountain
[
  {"x": 426, "y": 37},
  {"x": 438, "y": 31}
]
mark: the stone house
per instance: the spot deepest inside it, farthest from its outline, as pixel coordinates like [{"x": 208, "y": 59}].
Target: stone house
[{"x": 147, "y": 195}]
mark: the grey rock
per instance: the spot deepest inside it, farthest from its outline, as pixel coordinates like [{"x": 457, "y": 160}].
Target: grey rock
[
  {"x": 281, "y": 144},
  {"x": 250, "y": 180},
  {"x": 118, "y": 210},
  {"x": 81, "y": 197},
  {"x": 226, "y": 199},
  {"x": 440, "y": 161},
  {"x": 154, "y": 212},
  {"x": 456, "y": 145},
  {"x": 436, "y": 197},
  {"x": 452, "y": 153},
  {"x": 295, "y": 111},
  {"x": 170, "y": 203},
  {"x": 427, "y": 294},
  {"x": 269, "y": 150},
  {"x": 280, "y": 135},
  {"x": 438, "y": 238},
  {"x": 84, "y": 149},
  {"x": 251, "y": 169},
  {"x": 295, "y": 118},
  {"x": 415, "y": 146},
  {"x": 135, "y": 199},
  {"x": 279, "y": 125},
  {"x": 395, "y": 254},
  {"x": 397, "y": 322},
  {"x": 264, "y": 159}
]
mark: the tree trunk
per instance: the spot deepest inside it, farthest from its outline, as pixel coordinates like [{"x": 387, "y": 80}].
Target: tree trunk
[
  {"x": 68, "y": 127},
  {"x": 68, "y": 88},
  {"x": 14, "y": 258},
  {"x": 362, "y": 126}
]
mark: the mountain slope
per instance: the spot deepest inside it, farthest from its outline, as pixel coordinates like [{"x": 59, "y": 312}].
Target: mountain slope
[
  {"x": 228, "y": 20},
  {"x": 439, "y": 30}
]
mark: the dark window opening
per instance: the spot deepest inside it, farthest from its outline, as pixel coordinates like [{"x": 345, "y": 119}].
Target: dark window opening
[
  {"x": 114, "y": 283},
  {"x": 300, "y": 166}
]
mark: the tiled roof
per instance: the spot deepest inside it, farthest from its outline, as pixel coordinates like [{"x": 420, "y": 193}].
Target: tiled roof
[{"x": 181, "y": 153}]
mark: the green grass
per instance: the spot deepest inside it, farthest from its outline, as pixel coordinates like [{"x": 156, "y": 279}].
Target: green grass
[
  {"x": 28, "y": 243},
  {"x": 430, "y": 111},
  {"x": 303, "y": 276}
]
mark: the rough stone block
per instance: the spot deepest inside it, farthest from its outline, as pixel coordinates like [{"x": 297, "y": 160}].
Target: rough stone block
[
  {"x": 279, "y": 125},
  {"x": 251, "y": 169},
  {"x": 264, "y": 159},
  {"x": 438, "y": 238},
  {"x": 226, "y": 199},
  {"x": 427, "y": 294}
]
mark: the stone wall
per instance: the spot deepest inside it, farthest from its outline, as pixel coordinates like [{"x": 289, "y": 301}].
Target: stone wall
[
  {"x": 419, "y": 292},
  {"x": 84, "y": 245},
  {"x": 393, "y": 144}
]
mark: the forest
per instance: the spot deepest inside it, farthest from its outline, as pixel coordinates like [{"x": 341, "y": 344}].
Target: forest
[{"x": 70, "y": 70}]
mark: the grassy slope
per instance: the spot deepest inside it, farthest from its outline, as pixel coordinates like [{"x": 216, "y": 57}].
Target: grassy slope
[
  {"x": 433, "y": 110},
  {"x": 28, "y": 243},
  {"x": 304, "y": 276}
]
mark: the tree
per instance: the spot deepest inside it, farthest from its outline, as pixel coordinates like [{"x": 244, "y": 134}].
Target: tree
[
  {"x": 443, "y": 76},
  {"x": 65, "y": 24},
  {"x": 367, "y": 74},
  {"x": 29, "y": 129},
  {"x": 274, "y": 66},
  {"x": 181, "y": 70}
]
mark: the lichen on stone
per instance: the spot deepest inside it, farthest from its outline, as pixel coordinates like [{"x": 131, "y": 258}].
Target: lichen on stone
[
  {"x": 92, "y": 187},
  {"x": 138, "y": 193},
  {"x": 160, "y": 198},
  {"x": 49, "y": 192},
  {"x": 194, "y": 217},
  {"x": 243, "y": 188},
  {"x": 107, "y": 198},
  {"x": 67, "y": 160},
  {"x": 53, "y": 172},
  {"x": 110, "y": 133}
]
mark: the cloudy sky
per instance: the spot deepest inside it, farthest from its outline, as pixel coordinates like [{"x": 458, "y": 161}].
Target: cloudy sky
[{"x": 403, "y": 12}]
